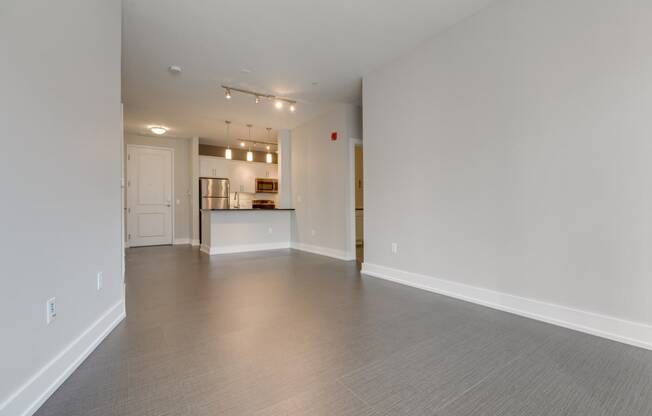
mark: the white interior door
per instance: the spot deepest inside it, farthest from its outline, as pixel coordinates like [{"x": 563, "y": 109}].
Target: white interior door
[{"x": 149, "y": 196}]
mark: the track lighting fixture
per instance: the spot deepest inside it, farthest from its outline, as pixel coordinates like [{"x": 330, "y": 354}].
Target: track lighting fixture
[{"x": 279, "y": 102}]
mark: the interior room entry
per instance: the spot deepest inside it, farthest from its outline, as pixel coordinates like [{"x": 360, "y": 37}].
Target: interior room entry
[
  {"x": 149, "y": 196},
  {"x": 359, "y": 205}
]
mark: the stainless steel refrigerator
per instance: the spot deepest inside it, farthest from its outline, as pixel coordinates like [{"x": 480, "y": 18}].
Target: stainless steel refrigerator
[{"x": 214, "y": 193}]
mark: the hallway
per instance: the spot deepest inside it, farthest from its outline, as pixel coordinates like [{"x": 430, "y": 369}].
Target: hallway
[{"x": 291, "y": 333}]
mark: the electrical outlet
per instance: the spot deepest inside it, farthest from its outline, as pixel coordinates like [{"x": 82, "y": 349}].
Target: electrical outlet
[
  {"x": 394, "y": 248},
  {"x": 100, "y": 280},
  {"x": 270, "y": 230},
  {"x": 51, "y": 310}
]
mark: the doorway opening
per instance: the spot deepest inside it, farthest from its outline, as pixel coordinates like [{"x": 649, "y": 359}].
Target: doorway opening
[
  {"x": 359, "y": 205},
  {"x": 356, "y": 201}
]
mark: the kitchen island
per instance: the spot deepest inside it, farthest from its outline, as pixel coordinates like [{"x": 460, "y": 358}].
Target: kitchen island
[{"x": 238, "y": 230}]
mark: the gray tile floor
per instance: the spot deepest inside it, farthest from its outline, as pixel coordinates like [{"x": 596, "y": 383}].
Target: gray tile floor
[{"x": 290, "y": 333}]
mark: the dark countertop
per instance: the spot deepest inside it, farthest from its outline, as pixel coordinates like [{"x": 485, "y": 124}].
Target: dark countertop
[{"x": 251, "y": 209}]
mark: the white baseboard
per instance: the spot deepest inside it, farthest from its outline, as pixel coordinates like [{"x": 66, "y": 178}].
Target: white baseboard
[
  {"x": 243, "y": 248},
  {"x": 323, "y": 251},
  {"x": 31, "y": 395},
  {"x": 616, "y": 329},
  {"x": 194, "y": 243},
  {"x": 180, "y": 241}
]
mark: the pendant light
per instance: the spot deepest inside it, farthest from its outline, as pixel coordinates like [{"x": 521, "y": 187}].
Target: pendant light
[
  {"x": 228, "y": 153},
  {"x": 268, "y": 156},
  {"x": 250, "y": 154}
]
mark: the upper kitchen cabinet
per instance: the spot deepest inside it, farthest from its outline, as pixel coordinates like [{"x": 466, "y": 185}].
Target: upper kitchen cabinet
[
  {"x": 265, "y": 170},
  {"x": 242, "y": 176},
  {"x": 213, "y": 167}
]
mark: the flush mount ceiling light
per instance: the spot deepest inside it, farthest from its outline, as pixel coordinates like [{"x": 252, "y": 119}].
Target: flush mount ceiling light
[
  {"x": 228, "y": 153},
  {"x": 279, "y": 102},
  {"x": 158, "y": 130},
  {"x": 175, "y": 69}
]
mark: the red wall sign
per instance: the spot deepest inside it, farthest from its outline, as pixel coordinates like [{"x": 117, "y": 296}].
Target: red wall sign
[{"x": 334, "y": 136}]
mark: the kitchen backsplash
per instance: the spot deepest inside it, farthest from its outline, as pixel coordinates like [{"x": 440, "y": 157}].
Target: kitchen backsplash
[{"x": 246, "y": 199}]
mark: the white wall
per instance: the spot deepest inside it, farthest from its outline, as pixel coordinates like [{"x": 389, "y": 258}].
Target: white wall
[
  {"x": 194, "y": 190},
  {"x": 182, "y": 174},
  {"x": 514, "y": 153},
  {"x": 320, "y": 180},
  {"x": 60, "y": 126}
]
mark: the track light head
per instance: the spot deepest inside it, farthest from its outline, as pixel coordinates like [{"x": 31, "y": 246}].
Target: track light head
[{"x": 227, "y": 94}]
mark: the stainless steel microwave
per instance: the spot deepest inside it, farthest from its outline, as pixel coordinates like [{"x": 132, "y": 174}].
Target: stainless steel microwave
[{"x": 266, "y": 185}]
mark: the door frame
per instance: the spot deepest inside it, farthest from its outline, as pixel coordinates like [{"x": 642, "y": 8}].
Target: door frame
[
  {"x": 173, "y": 203},
  {"x": 350, "y": 206}
]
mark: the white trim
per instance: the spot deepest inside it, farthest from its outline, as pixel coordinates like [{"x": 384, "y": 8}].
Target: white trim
[
  {"x": 323, "y": 251},
  {"x": 30, "y": 396},
  {"x": 173, "y": 198},
  {"x": 194, "y": 243},
  {"x": 181, "y": 241},
  {"x": 243, "y": 248},
  {"x": 350, "y": 206},
  {"x": 628, "y": 332}
]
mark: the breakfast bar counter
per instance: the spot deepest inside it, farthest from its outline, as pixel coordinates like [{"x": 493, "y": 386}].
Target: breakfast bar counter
[{"x": 238, "y": 230}]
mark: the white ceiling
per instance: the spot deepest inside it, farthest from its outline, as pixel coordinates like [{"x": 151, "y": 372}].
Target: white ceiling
[{"x": 287, "y": 45}]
